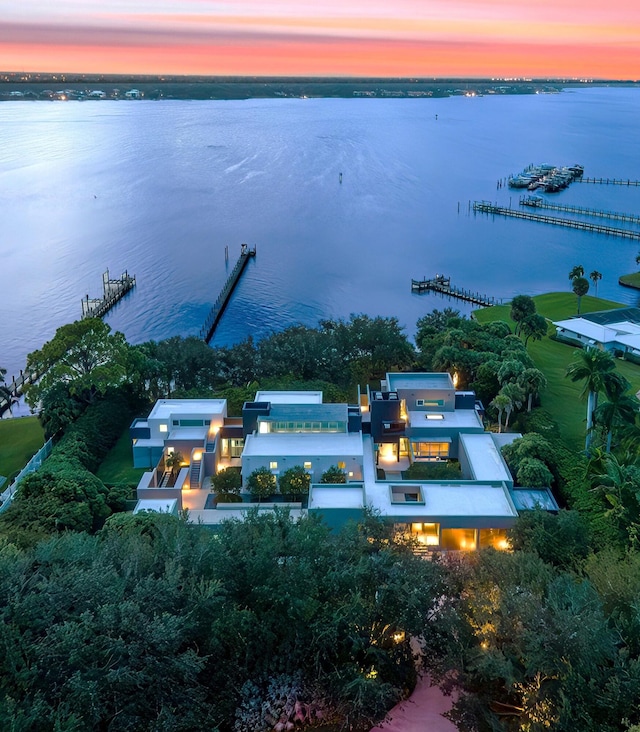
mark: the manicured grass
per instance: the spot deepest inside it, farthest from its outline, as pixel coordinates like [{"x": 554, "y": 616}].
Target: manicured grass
[
  {"x": 631, "y": 280},
  {"x": 561, "y": 398},
  {"x": 20, "y": 440},
  {"x": 117, "y": 467}
]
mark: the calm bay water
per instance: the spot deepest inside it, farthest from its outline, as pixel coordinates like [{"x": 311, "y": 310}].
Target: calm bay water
[{"x": 160, "y": 188}]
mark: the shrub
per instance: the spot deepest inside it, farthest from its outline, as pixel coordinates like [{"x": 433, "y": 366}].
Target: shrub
[
  {"x": 295, "y": 481},
  {"x": 334, "y": 474},
  {"x": 433, "y": 471},
  {"x": 261, "y": 482},
  {"x": 227, "y": 480}
]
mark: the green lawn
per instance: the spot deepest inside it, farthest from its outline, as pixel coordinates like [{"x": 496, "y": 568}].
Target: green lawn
[
  {"x": 561, "y": 398},
  {"x": 632, "y": 280},
  {"x": 20, "y": 440},
  {"x": 117, "y": 467}
]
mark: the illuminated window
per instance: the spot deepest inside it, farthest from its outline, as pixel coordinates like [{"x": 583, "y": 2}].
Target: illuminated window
[
  {"x": 307, "y": 465},
  {"x": 342, "y": 465},
  {"x": 458, "y": 539},
  {"x": 435, "y": 416},
  {"x": 263, "y": 428},
  {"x": 426, "y": 533},
  {"x": 351, "y": 473},
  {"x": 497, "y": 538},
  {"x": 273, "y": 465},
  {"x": 164, "y": 428},
  {"x": 430, "y": 449}
]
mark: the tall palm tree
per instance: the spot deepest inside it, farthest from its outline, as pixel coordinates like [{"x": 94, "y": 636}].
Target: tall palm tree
[
  {"x": 595, "y": 277},
  {"x": 620, "y": 410},
  {"x": 515, "y": 395},
  {"x": 580, "y": 288},
  {"x": 500, "y": 403},
  {"x": 596, "y": 368},
  {"x": 577, "y": 271}
]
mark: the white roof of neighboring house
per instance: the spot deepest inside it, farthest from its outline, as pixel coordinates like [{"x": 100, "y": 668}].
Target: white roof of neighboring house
[
  {"x": 588, "y": 329},
  {"x": 631, "y": 341},
  {"x": 166, "y": 408},
  {"x": 484, "y": 458},
  {"x": 188, "y": 433},
  {"x": 305, "y": 444},
  {"x": 419, "y": 380},
  {"x": 289, "y": 397}
]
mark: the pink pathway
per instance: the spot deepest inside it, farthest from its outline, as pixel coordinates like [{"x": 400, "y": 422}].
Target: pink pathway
[{"x": 421, "y": 712}]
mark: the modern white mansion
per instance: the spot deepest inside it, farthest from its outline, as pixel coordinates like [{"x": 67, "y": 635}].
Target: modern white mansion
[{"x": 415, "y": 417}]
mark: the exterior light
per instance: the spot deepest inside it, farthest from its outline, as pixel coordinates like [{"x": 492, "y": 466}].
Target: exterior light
[{"x": 435, "y": 416}]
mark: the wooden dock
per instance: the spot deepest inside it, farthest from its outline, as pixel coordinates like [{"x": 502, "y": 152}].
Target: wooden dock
[
  {"x": 16, "y": 389},
  {"x": 610, "y": 181},
  {"x": 209, "y": 327},
  {"x": 113, "y": 291},
  {"x": 442, "y": 285},
  {"x": 489, "y": 208},
  {"x": 538, "y": 202}
]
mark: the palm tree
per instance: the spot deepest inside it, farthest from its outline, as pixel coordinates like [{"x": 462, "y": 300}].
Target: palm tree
[
  {"x": 620, "y": 410},
  {"x": 532, "y": 381},
  {"x": 596, "y": 368},
  {"x": 618, "y": 483},
  {"x": 173, "y": 461},
  {"x": 580, "y": 288},
  {"x": 595, "y": 276},
  {"x": 577, "y": 271},
  {"x": 500, "y": 403},
  {"x": 515, "y": 394}
]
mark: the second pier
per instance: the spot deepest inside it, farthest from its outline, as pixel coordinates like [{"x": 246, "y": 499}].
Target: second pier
[{"x": 489, "y": 208}]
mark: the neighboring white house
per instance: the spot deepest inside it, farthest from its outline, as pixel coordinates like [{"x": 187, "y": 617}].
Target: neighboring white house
[
  {"x": 616, "y": 330},
  {"x": 415, "y": 417}
]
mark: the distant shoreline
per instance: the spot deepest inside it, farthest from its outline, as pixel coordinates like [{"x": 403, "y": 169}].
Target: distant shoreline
[{"x": 81, "y": 87}]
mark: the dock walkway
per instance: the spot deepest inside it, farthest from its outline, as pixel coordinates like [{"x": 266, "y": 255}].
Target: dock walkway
[
  {"x": 489, "y": 208},
  {"x": 210, "y": 324},
  {"x": 610, "y": 181},
  {"x": 443, "y": 285},
  {"x": 538, "y": 202},
  {"x": 113, "y": 291}
]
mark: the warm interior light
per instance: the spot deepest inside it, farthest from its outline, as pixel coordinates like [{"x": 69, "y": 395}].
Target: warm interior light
[{"x": 197, "y": 455}]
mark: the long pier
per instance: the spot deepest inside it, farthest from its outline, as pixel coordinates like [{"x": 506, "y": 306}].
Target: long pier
[
  {"x": 538, "y": 202},
  {"x": 489, "y": 208},
  {"x": 443, "y": 285},
  {"x": 210, "y": 324},
  {"x": 610, "y": 181},
  {"x": 114, "y": 290}
]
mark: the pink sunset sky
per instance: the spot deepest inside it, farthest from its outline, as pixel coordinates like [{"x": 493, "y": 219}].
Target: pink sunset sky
[{"x": 539, "y": 38}]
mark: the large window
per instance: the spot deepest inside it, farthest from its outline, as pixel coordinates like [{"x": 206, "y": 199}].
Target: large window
[
  {"x": 458, "y": 539},
  {"x": 305, "y": 426},
  {"x": 430, "y": 449}
]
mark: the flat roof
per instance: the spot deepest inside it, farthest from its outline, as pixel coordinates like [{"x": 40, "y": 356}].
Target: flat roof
[
  {"x": 158, "y": 505},
  {"x": 166, "y": 408},
  {"x": 484, "y": 458},
  {"x": 459, "y": 419},
  {"x": 416, "y": 380},
  {"x": 329, "y": 496},
  {"x": 289, "y": 397},
  {"x": 188, "y": 433},
  {"x": 446, "y": 500},
  {"x": 305, "y": 444}
]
